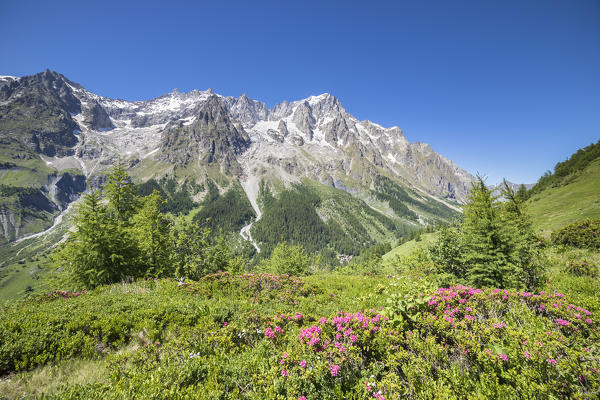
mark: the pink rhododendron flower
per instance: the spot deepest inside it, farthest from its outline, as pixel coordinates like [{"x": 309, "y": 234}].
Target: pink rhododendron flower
[
  {"x": 269, "y": 333},
  {"x": 334, "y": 369}
]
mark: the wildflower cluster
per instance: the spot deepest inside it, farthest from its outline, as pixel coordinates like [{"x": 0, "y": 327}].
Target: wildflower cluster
[
  {"x": 65, "y": 294},
  {"x": 214, "y": 337}
]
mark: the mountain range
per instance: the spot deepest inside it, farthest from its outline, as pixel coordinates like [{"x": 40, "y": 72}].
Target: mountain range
[{"x": 365, "y": 181}]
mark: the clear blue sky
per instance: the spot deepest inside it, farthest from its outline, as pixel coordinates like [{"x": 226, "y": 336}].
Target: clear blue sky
[{"x": 504, "y": 88}]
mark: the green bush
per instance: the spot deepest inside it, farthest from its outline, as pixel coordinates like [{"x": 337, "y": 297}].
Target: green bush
[
  {"x": 583, "y": 234},
  {"x": 290, "y": 259},
  {"x": 582, "y": 268}
]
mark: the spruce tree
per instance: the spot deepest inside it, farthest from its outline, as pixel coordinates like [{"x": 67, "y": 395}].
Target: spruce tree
[
  {"x": 84, "y": 256},
  {"x": 121, "y": 194},
  {"x": 523, "y": 250},
  {"x": 101, "y": 249},
  {"x": 150, "y": 228},
  {"x": 495, "y": 244},
  {"x": 95, "y": 254},
  {"x": 521, "y": 194},
  {"x": 483, "y": 243}
]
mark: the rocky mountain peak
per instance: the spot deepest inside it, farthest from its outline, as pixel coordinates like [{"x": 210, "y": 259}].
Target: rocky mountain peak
[
  {"x": 247, "y": 110},
  {"x": 212, "y": 138},
  {"x": 204, "y": 127},
  {"x": 36, "y": 110}
]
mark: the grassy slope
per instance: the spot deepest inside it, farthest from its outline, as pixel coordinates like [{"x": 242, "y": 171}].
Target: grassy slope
[
  {"x": 19, "y": 262},
  {"x": 406, "y": 249},
  {"x": 144, "y": 307},
  {"x": 558, "y": 206}
]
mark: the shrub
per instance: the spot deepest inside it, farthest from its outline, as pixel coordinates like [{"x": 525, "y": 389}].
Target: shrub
[
  {"x": 582, "y": 268},
  {"x": 290, "y": 259},
  {"x": 583, "y": 234}
]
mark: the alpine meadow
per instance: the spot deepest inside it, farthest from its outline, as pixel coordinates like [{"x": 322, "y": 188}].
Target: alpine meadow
[{"x": 198, "y": 245}]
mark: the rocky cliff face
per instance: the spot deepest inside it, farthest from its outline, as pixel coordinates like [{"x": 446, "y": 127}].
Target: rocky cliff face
[
  {"x": 96, "y": 117},
  {"x": 35, "y": 111},
  {"x": 211, "y": 138},
  {"x": 60, "y": 125}
]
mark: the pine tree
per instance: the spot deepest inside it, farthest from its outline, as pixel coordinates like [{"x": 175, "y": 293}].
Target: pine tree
[
  {"x": 121, "y": 194},
  {"x": 95, "y": 253},
  {"x": 150, "y": 228},
  {"x": 483, "y": 242}
]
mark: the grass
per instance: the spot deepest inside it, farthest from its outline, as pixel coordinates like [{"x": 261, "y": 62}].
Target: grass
[
  {"x": 17, "y": 280},
  {"x": 408, "y": 248},
  {"x": 582, "y": 289},
  {"x": 558, "y": 206},
  {"x": 47, "y": 379},
  {"x": 29, "y": 172}
]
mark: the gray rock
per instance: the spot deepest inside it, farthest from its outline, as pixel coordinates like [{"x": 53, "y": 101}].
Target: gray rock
[{"x": 96, "y": 118}]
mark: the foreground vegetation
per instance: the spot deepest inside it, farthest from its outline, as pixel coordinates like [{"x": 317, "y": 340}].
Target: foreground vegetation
[{"x": 262, "y": 335}]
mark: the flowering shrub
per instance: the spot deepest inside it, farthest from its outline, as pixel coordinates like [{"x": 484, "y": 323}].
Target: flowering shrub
[
  {"x": 65, "y": 294},
  {"x": 222, "y": 338},
  {"x": 583, "y": 234},
  {"x": 582, "y": 268}
]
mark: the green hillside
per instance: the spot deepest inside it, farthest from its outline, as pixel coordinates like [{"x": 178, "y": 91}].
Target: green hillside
[
  {"x": 406, "y": 249},
  {"x": 573, "y": 199}
]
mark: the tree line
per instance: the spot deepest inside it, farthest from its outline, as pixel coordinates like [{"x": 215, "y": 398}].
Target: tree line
[{"x": 119, "y": 235}]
